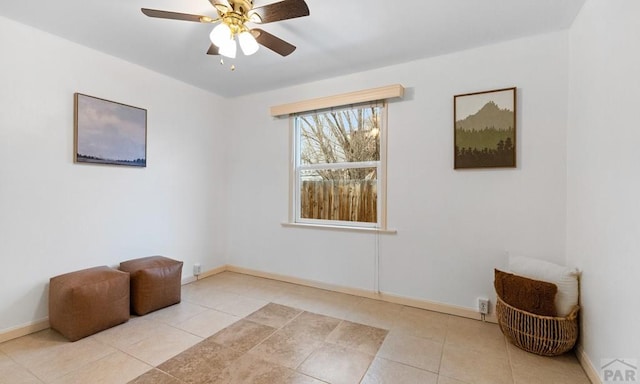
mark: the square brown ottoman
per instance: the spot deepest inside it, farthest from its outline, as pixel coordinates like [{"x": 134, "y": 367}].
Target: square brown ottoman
[
  {"x": 155, "y": 282},
  {"x": 84, "y": 302}
]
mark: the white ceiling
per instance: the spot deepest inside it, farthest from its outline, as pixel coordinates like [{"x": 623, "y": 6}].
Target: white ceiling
[{"x": 339, "y": 37}]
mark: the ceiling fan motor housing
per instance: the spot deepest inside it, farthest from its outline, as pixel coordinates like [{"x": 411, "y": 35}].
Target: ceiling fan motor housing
[{"x": 237, "y": 16}]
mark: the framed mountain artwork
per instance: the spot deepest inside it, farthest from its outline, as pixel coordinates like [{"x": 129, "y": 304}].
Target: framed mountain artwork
[{"x": 485, "y": 129}]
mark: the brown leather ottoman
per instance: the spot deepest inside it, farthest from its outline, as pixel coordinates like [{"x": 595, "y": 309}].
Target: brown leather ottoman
[
  {"x": 84, "y": 302},
  {"x": 155, "y": 282}
]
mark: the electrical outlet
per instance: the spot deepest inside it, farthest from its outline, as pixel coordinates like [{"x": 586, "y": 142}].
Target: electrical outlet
[
  {"x": 197, "y": 269},
  {"x": 483, "y": 306}
]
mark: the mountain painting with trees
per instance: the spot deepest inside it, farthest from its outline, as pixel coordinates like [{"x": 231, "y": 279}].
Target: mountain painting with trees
[{"x": 485, "y": 129}]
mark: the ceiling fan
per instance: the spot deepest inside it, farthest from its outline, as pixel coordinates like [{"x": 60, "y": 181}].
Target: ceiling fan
[{"x": 233, "y": 16}]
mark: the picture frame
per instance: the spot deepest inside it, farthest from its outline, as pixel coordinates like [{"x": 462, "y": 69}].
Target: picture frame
[
  {"x": 108, "y": 132},
  {"x": 484, "y": 126}
]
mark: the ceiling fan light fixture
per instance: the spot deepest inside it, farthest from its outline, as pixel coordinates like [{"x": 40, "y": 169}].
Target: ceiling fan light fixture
[
  {"x": 233, "y": 16},
  {"x": 248, "y": 43},
  {"x": 228, "y": 49},
  {"x": 221, "y": 35}
]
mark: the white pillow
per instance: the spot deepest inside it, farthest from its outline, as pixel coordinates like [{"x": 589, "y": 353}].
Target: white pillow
[{"x": 565, "y": 278}]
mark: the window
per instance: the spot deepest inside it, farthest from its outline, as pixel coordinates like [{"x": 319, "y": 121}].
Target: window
[{"x": 338, "y": 166}]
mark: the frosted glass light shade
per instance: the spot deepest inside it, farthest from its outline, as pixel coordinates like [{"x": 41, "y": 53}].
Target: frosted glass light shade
[
  {"x": 228, "y": 49},
  {"x": 220, "y": 35},
  {"x": 248, "y": 43}
]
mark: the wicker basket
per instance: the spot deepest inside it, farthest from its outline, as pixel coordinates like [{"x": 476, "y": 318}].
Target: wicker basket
[{"x": 542, "y": 335}]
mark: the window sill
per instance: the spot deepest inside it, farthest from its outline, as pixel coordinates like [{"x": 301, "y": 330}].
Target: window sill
[{"x": 341, "y": 228}]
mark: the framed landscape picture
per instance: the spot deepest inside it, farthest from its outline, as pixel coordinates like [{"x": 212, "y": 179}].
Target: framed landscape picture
[
  {"x": 106, "y": 132},
  {"x": 485, "y": 129}
]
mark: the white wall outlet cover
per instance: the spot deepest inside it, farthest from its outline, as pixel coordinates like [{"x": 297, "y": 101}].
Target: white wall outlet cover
[{"x": 483, "y": 306}]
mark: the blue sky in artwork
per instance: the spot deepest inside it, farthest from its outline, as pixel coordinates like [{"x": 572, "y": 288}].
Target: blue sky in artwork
[{"x": 110, "y": 130}]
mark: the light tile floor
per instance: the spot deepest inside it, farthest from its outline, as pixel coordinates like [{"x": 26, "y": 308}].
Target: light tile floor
[{"x": 316, "y": 330}]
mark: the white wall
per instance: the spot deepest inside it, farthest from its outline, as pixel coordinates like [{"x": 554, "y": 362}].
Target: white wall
[
  {"x": 57, "y": 216},
  {"x": 453, "y": 226},
  {"x": 603, "y": 219}
]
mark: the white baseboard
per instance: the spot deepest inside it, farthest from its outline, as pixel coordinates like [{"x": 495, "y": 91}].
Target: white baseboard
[
  {"x": 23, "y": 330},
  {"x": 587, "y": 365},
  {"x": 411, "y": 302},
  {"x": 211, "y": 272}
]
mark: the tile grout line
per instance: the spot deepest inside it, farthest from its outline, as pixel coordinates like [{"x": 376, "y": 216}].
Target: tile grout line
[{"x": 509, "y": 360}]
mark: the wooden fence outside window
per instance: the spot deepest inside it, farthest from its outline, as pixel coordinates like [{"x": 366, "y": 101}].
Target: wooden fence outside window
[{"x": 343, "y": 200}]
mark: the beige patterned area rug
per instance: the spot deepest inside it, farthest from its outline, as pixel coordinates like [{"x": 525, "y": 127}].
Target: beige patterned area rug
[{"x": 275, "y": 344}]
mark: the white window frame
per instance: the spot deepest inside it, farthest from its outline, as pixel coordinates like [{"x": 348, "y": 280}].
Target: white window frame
[
  {"x": 380, "y": 94},
  {"x": 297, "y": 168}
]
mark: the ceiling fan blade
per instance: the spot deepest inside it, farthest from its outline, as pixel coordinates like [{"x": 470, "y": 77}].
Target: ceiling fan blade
[
  {"x": 213, "y": 50},
  {"x": 176, "y": 16},
  {"x": 283, "y": 10},
  {"x": 275, "y": 44}
]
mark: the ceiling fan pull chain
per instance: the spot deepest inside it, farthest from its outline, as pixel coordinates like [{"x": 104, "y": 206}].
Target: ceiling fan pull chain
[{"x": 232, "y": 67}]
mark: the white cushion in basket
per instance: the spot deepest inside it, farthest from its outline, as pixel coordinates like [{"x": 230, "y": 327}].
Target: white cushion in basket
[{"x": 565, "y": 278}]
